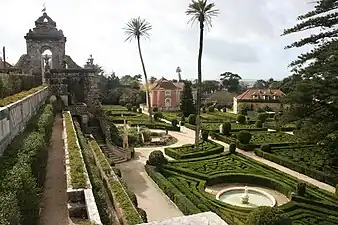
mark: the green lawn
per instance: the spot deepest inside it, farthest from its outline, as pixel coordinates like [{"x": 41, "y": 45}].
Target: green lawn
[
  {"x": 114, "y": 108},
  {"x": 184, "y": 182}
]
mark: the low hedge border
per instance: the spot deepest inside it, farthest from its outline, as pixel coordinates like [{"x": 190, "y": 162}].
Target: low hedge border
[
  {"x": 180, "y": 200},
  {"x": 155, "y": 126},
  {"x": 99, "y": 191},
  {"x": 23, "y": 170},
  {"x": 318, "y": 175},
  {"x": 19, "y": 96},
  {"x": 193, "y": 127},
  {"x": 173, "y": 153},
  {"x": 115, "y": 189},
  {"x": 78, "y": 178}
]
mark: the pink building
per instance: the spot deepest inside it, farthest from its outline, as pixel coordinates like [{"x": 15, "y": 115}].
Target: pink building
[{"x": 166, "y": 95}]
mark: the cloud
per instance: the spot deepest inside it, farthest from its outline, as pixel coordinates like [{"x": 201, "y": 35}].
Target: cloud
[{"x": 245, "y": 37}]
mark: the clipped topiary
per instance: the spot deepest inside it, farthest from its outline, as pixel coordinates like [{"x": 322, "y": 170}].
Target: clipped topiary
[
  {"x": 224, "y": 109},
  {"x": 241, "y": 119},
  {"x": 265, "y": 215},
  {"x": 192, "y": 119},
  {"x": 226, "y": 128},
  {"x": 337, "y": 190},
  {"x": 156, "y": 158},
  {"x": 134, "y": 109},
  {"x": 155, "y": 109},
  {"x": 301, "y": 189},
  {"x": 143, "y": 215},
  {"x": 262, "y": 117},
  {"x": 232, "y": 148},
  {"x": 117, "y": 172},
  {"x": 244, "y": 137},
  {"x": 266, "y": 148},
  {"x": 211, "y": 109},
  {"x": 204, "y": 110},
  {"x": 205, "y": 135},
  {"x": 158, "y": 116},
  {"x": 259, "y": 124},
  {"x": 174, "y": 122},
  {"x": 219, "y": 107},
  {"x": 129, "y": 106},
  {"x": 139, "y": 110}
]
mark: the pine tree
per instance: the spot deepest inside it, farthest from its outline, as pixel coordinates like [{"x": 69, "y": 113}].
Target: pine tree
[
  {"x": 187, "y": 102},
  {"x": 314, "y": 100}
]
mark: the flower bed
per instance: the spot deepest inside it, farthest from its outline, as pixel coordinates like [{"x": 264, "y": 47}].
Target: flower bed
[
  {"x": 188, "y": 151},
  {"x": 119, "y": 196},
  {"x": 78, "y": 178},
  {"x": 21, "y": 95},
  {"x": 189, "y": 178},
  {"x": 23, "y": 169}
]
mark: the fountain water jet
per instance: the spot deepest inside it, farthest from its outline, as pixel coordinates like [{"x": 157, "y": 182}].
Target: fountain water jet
[{"x": 245, "y": 197}]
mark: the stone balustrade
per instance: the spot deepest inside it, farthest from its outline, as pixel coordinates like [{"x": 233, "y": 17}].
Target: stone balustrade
[{"x": 14, "y": 117}]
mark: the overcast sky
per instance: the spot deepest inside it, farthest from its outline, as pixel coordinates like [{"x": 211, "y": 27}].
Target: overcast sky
[{"x": 245, "y": 37}]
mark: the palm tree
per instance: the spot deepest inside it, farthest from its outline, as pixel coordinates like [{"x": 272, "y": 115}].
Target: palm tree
[
  {"x": 135, "y": 29},
  {"x": 201, "y": 12}
]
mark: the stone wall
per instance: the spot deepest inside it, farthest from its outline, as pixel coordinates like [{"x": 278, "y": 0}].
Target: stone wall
[{"x": 14, "y": 117}]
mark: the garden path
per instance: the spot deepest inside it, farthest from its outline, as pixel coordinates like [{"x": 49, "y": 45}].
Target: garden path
[
  {"x": 149, "y": 196},
  {"x": 54, "y": 203}
]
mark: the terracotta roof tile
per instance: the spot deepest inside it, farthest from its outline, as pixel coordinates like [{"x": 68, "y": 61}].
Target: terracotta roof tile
[{"x": 259, "y": 93}]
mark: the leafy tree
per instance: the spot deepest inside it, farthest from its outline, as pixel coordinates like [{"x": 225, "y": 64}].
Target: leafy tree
[
  {"x": 314, "y": 99},
  {"x": 135, "y": 29},
  {"x": 187, "y": 102},
  {"x": 131, "y": 81},
  {"x": 262, "y": 84},
  {"x": 152, "y": 80},
  {"x": 230, "y": 81},
  {"x": 210, "y": 86},
  {"x": 201, "y": 12}
]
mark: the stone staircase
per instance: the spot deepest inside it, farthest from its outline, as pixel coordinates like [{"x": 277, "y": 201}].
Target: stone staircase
[{"x": 113, "y": 155}]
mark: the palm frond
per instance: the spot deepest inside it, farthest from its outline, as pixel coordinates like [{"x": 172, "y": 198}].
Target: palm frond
[
  {"x": 201, "y": 10},
  {"x": 136, "y": 28}
]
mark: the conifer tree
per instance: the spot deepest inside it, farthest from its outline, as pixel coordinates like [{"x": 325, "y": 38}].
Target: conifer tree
[{"x": 187, "y": 102}]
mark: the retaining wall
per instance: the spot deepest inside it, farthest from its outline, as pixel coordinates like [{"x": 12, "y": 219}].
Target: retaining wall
[{"x": 14, "y": 117}]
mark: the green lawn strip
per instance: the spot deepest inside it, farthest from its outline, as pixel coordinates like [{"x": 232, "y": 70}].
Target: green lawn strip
[
  {"x": 21, "y": 95},
  {"x": 115, "y": 188},
  {"x": 191, "y": 175},
  {"x": 99, "y": 191},
  {"x": 76, "y": 163},
  {"x": 114, "y": 108},
  {"x": 188, "y": 151}
]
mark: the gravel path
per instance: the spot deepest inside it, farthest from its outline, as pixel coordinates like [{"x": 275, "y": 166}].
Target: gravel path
[{"x": 54, "y": 209}]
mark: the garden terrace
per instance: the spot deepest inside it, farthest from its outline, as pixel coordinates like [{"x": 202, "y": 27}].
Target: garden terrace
[
  {"x": 127, "y": 211},
  {"x": 310, "y": 160},
  {"x": 184, "y": 181},
  {"x": 23, "y": 169},
  {"x": 188, "y": 151},
  {"x": 19, "y": 96}
]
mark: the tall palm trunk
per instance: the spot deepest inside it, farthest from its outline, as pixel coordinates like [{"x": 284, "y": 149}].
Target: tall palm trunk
[
  {"x": 199, "y": 85},
  {"x": 146, "y": 78}
]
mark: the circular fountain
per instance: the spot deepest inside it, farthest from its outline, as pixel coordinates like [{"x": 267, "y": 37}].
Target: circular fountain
[{"x": 246, "y": 197}]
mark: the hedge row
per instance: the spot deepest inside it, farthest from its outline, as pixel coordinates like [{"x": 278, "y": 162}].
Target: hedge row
[
  {"x": 149, "y": 125},
  {"x": 21, "y": 95},
  {"x": 76, "y": 164},
  {"x": 176, "y": 154},
  {"x": 193, "y": 127},
  {"x": 318, "y": 175},
  {"x": 181, "y": 201},
  {"x": 11, "y": 84},
  {"x": 23, "y": 169},
  {"x": 116, "y": 191},
  {"x": 99, "y": 191}
]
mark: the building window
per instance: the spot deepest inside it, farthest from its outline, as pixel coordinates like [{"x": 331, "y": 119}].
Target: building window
[{"x": 168, "y": 93}]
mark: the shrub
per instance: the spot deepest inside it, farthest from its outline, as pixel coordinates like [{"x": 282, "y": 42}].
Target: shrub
[
  {"x": 128, "y": 106},
  {"x": 241, "y": 119},
  {"x": 268, "y": 108},
  {"x": 205, "y": 135},
  {"x": 204, "y": 110},
  {"x": 244, "y": 137},
  {"x": 211, "y": 109},
  {"x": 156, "y": 158},
  {"x": 192, "y": 119},
  {"x": 226, "y": 128},
  {"x": 9, "y": 209},
  {"x": 301, "y": 189},
  {"x": 224, "y": 109},
  {"x": 266, "y": 148},
  {"x": 219, "y": 107},
  {"x": 212, "y": 135},
  {"x": 182, "y": 118},
  {"x": 158, "y": 116},
  {"x": 232, "y": 148},
  {"x": 134, "y": 109},
  {"x": 155, "y": 109},
  {"x": 143, "y": 215},
  {"x": 259, "y": 124},
  {"x": 260, "y": 110},
  {"x": 337, "y": 190},
  {"x": 174, "y": 122},
  {"x": 262, "y": 117},
  {"x": 265, "y": 215},
  {"x": 139, "y": 110},
  {"x": 117, "y": 172}
]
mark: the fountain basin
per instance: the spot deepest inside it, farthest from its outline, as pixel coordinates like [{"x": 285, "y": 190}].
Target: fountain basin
[{"x": 234, "y": 196}]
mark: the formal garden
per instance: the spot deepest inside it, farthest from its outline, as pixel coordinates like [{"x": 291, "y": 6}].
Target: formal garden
[{"x": 185, "y": 181}]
